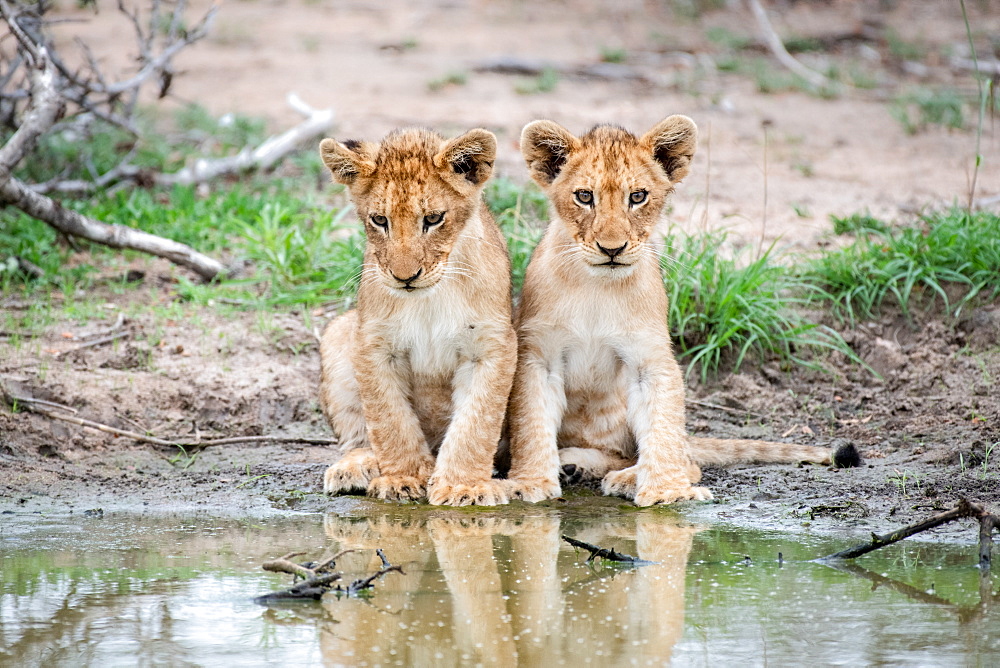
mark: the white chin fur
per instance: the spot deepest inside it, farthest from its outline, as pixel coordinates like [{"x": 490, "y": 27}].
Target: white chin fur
[
  {"x": 417, "y": 291},
  {"x": 613, "y": 271}
]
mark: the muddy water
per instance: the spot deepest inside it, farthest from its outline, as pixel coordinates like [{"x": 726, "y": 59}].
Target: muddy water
[{"x": 493, "y": 588}]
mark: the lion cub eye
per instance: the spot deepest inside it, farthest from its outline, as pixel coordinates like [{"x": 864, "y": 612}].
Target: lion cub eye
[
  {"x": 432, "y": 219},
  {"x": 638, "y": 197},
  {"x": 380, "y": 221},
  {"x": 584, "y": 197}
]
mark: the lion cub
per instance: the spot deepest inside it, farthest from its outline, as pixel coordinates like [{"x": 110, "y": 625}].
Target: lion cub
[
  {"x": 415, "y": 380},
  {"x": 597, "y": 393}
]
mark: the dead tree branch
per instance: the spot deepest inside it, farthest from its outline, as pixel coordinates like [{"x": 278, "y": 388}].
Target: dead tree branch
[
  {"x": 317, "y": 123},
  {"x": 362, "y": 584},
  {"x": 17, "y": 194},
  {"x": 54, "y": 87},
  {"x": 777, "y": 48},
  {"x": 604, "y": 553},
  {"x": 318, "y": 578},
  {"x": 37, "y": 406},
  {"x": 987, "y": 523}
]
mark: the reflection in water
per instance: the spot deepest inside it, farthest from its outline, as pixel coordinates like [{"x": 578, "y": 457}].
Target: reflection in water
[
  {"x": 504, "y": 592},
  {"x": 489, "y": 587}
]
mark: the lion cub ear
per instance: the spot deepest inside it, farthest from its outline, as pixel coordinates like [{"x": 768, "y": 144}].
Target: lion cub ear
[
  {"x": 545, "y": 146},
  {"x": 468, "y": 159},
  {"x": 673, "y": 142},
  {"x": 347, "y": 161}
]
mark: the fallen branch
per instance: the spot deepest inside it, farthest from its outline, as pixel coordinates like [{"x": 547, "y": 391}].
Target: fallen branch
[
  {"x": 104, "y": 340},
  {"x": 985, "y": 202},
  {"x": 272, "y": 150},
  {"x": 605, "y": 553},
  {"x": 985, "y": 67},
  {"x": 312, "y": 589},
  {"x": 100, "y": 333},
  {"x": 964, "y": 509},
  {"x": 35, "y": 406},
  {"x": 532, "y": 67},
  {"x": 317, "y": 123},
  {"x": 362, "y": 584},
  {"x": 306, "y": 571},
  {"x": 318, "y": 578},
  {"x": 777, "y": 48},
  {"x": 17, "y": 194}
]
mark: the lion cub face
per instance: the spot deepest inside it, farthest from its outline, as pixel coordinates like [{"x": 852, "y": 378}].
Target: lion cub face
[
  {"x": 609, "y": 187},
  {"x": 415, "y": 193}
]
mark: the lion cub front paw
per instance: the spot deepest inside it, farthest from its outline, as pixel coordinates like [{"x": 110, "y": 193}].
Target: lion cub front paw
[
  {"x": 532, "y": 489},
  {"x": 483, "y": 493},
  {"x": 353, "y": 473},
  {"x": 620, "y": 483},
  {"x": 398, "y": 488},
  {"x": 665, "y": 495}
]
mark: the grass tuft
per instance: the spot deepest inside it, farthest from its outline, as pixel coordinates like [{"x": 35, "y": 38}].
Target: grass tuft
[
  {"x": 521, "y": 212},
  {"x": 924, "y": 107},
  {"x": 951, "y": 257},
  {"x": 723, "y": 309}
]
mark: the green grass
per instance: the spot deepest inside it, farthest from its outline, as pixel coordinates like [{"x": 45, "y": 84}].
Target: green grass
[
  {"x": 543, "y": 83},
  {"x": 724, "y": 310},
  {"x": 294, "y": 251},
  {"x": 948, "y": 259},
  {"x": 521, "y": 213},
  {"x": 613, "y": 55},
  {"x": 922, "y": 108},
  {"x": 451, "y": 79}
]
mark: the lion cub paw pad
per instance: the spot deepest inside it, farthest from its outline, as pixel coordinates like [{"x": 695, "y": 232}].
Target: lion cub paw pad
[
  {"x": 619, "y": 483},
  {"x": 532, "y": 490},
  {"x": 397, "y": 488},
  {"x": 340, "y": 479},
  {"x": 477, "y": 494},
  {"x": 668, "y": 496}
]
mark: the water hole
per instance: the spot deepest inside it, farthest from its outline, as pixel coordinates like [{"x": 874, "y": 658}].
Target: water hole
[{"x": 483, "y": 587}]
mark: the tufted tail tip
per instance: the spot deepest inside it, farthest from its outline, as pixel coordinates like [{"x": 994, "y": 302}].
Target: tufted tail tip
[{"x": 846, "y": 456}]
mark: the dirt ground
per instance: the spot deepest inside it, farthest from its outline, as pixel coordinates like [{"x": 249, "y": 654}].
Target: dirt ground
[
  {"x": 927, "y": 428},
  {"x": 374, "y": 63}
]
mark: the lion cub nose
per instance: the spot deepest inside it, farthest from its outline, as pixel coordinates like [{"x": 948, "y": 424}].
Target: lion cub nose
[
  {"x": 612, "y": 252},
  {"x": 411, "y": 278}
]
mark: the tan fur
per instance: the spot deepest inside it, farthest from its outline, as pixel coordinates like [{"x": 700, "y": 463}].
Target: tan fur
[
  {"x": 597, "y": 389},
  {"x": 415, "y": 380}
]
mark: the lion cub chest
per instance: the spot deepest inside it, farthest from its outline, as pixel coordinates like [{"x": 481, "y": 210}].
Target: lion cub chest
[
  {"x": 434, "y": 335},
  {"x": 591, "y": 340}
]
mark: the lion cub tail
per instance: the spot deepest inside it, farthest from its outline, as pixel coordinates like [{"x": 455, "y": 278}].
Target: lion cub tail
[{"x": 723, "y": 452}]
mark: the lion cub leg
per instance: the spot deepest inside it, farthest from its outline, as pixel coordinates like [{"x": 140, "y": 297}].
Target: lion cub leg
[
  {"x": 404, "y": 459},
  {"x": 341, "y": 404},
  {"x": 663, "y": 473},
  {"x": 463, "y": 473},
  {"x": 537, "y": 405}
]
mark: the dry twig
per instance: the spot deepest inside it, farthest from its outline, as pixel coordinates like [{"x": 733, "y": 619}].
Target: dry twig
[
  {"x": 605, "y": 553},
  {"x": 35, "y": 406}
]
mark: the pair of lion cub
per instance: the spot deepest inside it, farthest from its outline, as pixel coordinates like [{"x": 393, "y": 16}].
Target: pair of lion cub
[{"x": 416, "y": 380}]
